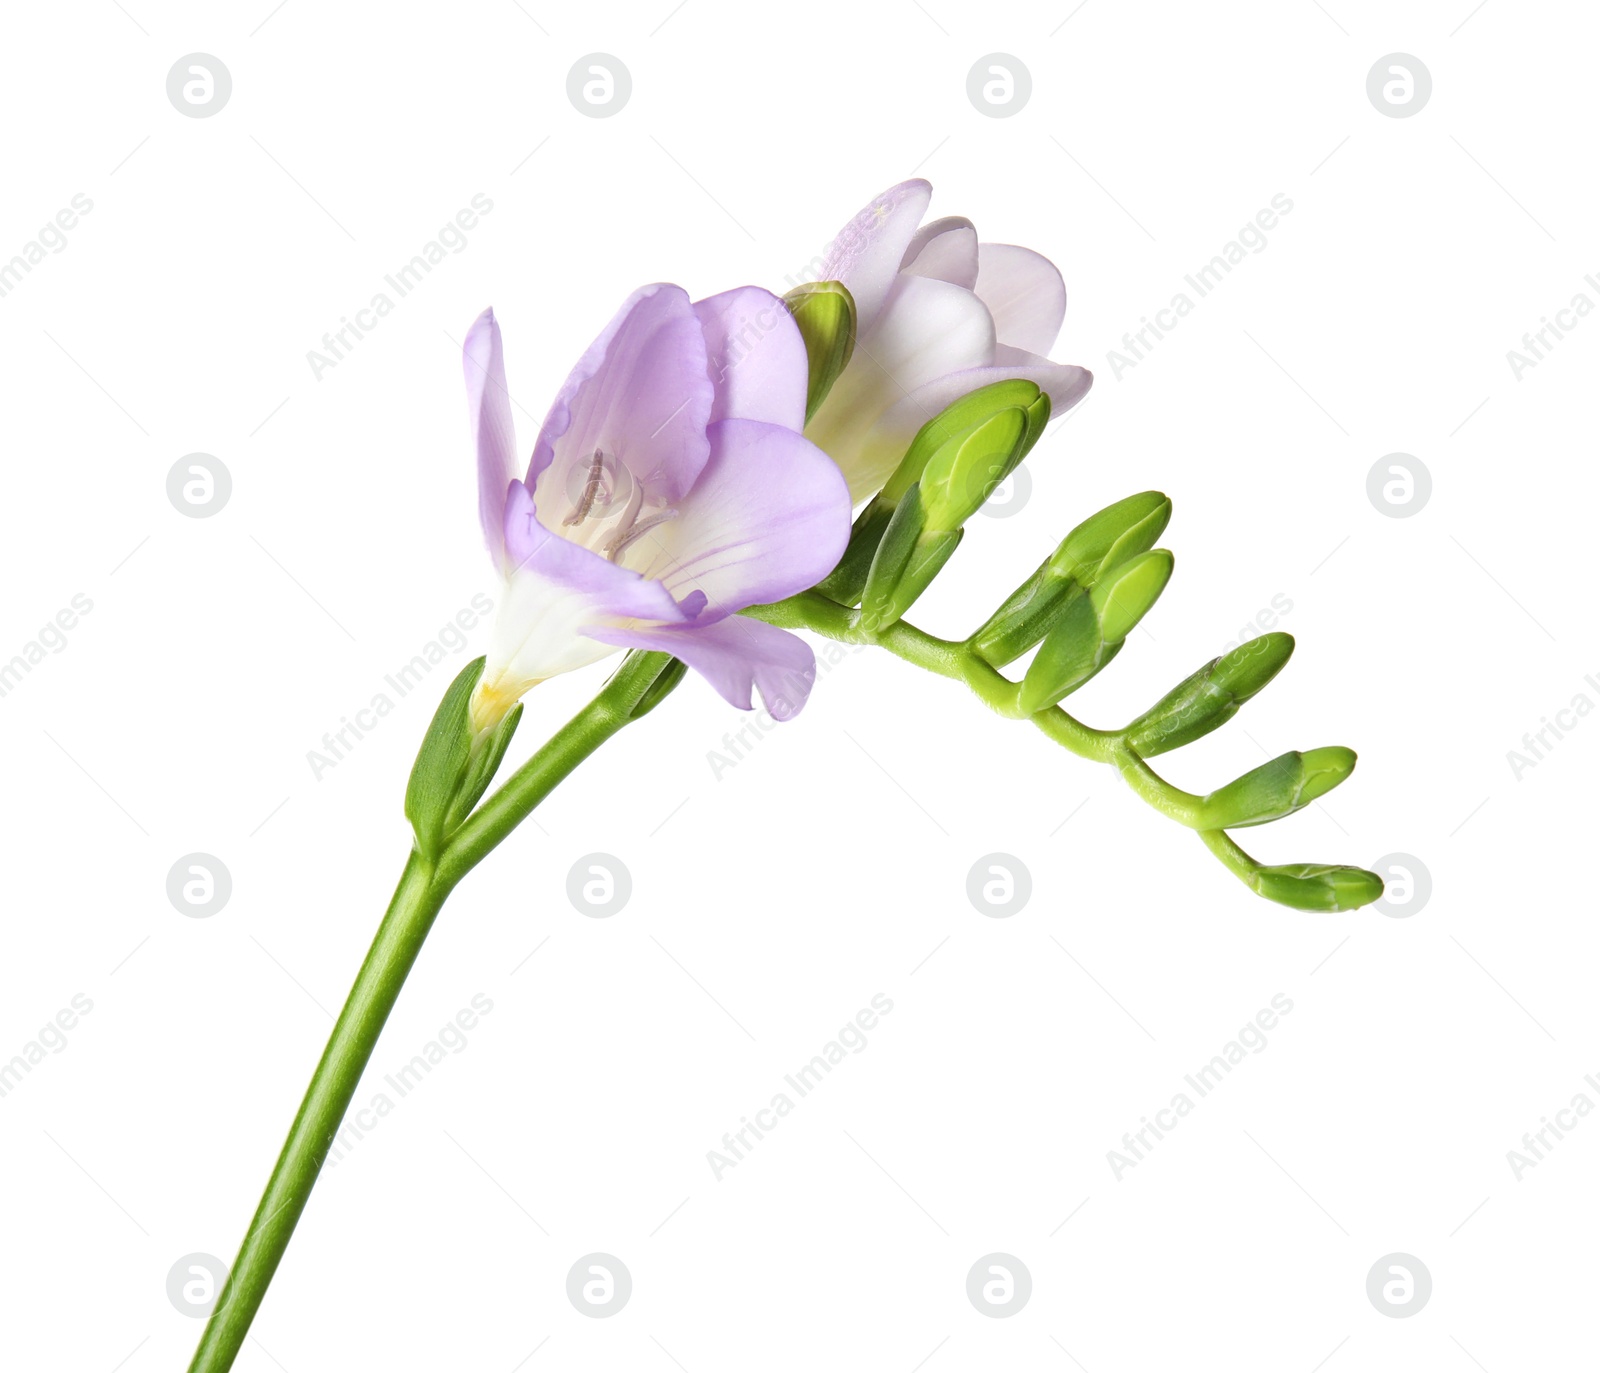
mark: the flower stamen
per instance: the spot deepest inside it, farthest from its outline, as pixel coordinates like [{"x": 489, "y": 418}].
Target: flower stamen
[
  {"x": 591, "y": 490},
  {"x": 631, "y": 531}
]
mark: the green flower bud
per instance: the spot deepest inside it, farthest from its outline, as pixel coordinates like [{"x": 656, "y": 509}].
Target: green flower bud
[
  {"x": 488, "y": 751},
  {"x": 1288, "y": 783},
  {"x": 1112, "y": 536},
  {"x": 929, "y": 554},
  {"x": 455, "y": 765},
  {"x": 1072, "y": 652},
  {"x": 1210, "y": 697},
  {"x": 1123, "y": 596},
  {"x": 1091, "y": 629},
  {"x": 1038, "y": 417},
  {"x": 1317, "y": 886},
  {"x": 963, "y": 473},
  {"x": 1024, "y": 617},
  {"x": 671, "y": 674},
  {"x": 847, "y": 582},
  {"x": 826, "y": 315},
  {"x": 908, "y": 558},
  {"x": 957, "y": 418}
]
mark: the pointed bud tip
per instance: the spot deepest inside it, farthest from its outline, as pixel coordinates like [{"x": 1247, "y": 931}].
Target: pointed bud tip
[
  {"x": 825, "y": 314},
  {"x": 956, "y": 419},
  {"x": 1126, "y": 594},
  {"x": 1111, "y": 537},
  {"x": 1323, "y": 769},
  {"x": 964, "y": 472}
]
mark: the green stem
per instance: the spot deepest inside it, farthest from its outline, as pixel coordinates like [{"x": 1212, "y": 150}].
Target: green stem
[
  {"x": 961, "y": 662},
  {"x": 1154, "y": 790},
  {"x": 1302, "y": 886},
  {"x": 422, "y": 891},
  {"x": 1235, "y": 859},
  {"x": 617, "y": 704},
  {"x": 416, "y": 901}
]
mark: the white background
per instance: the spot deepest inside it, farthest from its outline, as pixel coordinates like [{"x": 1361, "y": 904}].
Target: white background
[{"x": 772, "y": 902}]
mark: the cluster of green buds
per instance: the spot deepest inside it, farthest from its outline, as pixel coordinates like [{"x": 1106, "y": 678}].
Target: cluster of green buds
[
  {"x": 1074, "y": 614},
  {"x": 909, "y": 530},
  {"x": 1079, "y": 606}
]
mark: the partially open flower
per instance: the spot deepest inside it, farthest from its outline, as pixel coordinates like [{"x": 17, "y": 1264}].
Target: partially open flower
[
  {"x": 669, "y": 488},
  {"x": 938, "y": 315}
]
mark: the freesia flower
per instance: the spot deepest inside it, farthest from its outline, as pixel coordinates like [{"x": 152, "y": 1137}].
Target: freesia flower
[
  {"x": 938, "y": 315},
  {"x": 669, "y": 488}
]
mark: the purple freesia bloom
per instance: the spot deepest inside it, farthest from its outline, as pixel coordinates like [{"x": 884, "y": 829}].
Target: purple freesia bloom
[
  {"x": 669, "y": 488},
  {"x": 938, "y": 314}
]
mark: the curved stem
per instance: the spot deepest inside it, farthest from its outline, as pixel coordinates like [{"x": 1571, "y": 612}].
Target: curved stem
[
  {"x": 961, "y": 661},
  {"x": 417, "y": 900},
  {"x": 1235, "y": 859},
  {"x": 1154, "y": 790}
]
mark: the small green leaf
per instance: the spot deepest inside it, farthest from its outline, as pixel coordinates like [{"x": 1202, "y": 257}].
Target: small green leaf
[
  {"x": 441, "y": 762},
  {"x": 671, "y": 674},
  {"x": 484, "y": 760}
]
